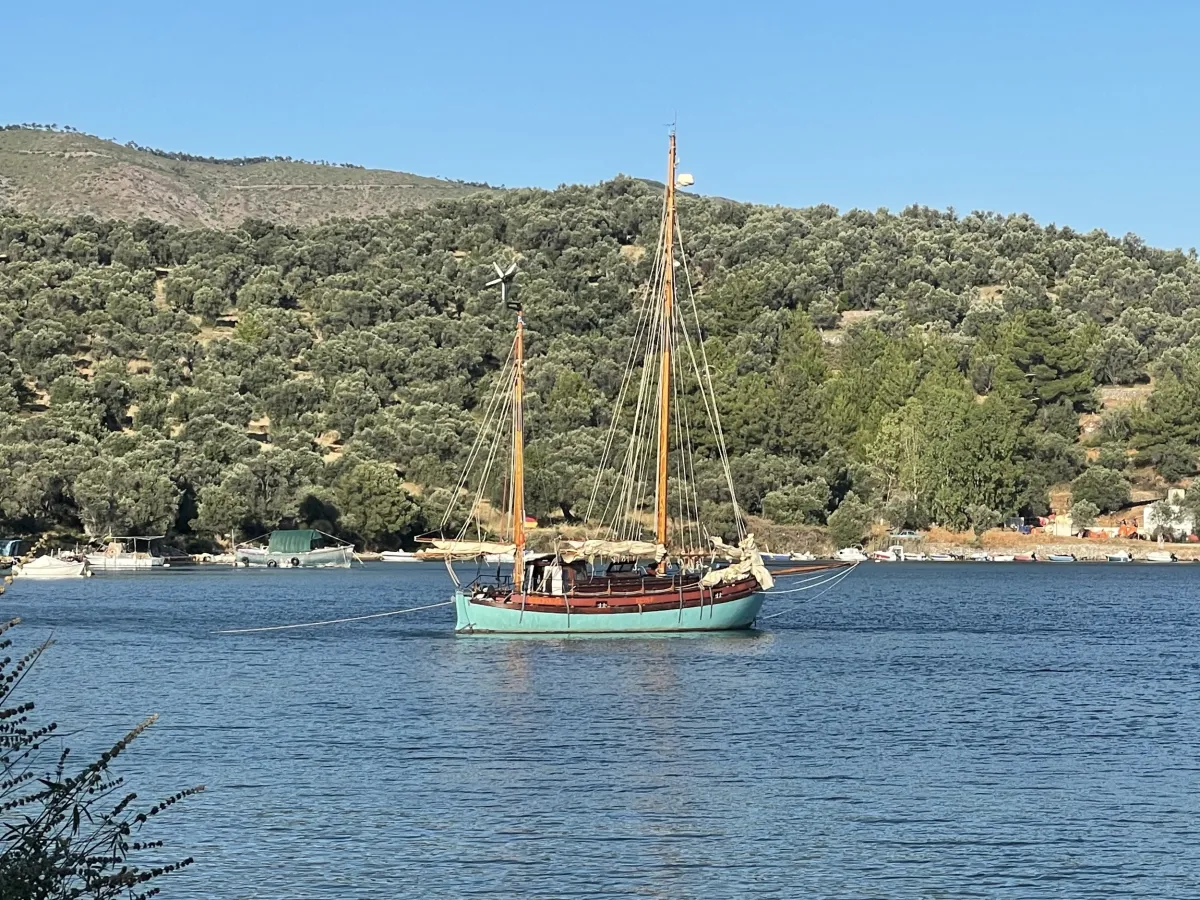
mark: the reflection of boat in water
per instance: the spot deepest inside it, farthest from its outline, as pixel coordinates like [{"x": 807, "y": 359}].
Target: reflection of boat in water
[
  {"x": 648, "y": 564},
  {"x": 132, "y": 553},
  {"x": 52, "y": 567},
  {"x": 295, "y": 549}
]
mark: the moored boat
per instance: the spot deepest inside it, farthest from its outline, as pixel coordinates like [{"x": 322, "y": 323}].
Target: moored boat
[
  {"x": 850, "y": 554},
  {"x": 127, "y": 554},
  {"x": 1025, "y": 557},
  {"x": 1061, "y": 557},
  {"x": 648, "y": 564},
  {"x": 1161, "y": 556},
  {"x": 1003, "y": 557},
  {"x": 942, "y": 557},
  {"x": 1121, "y": 556},
  {"x": 52, "y": 567},
  {"x": 402, "y": 556},
  {"x": 303, "y": 548},
  {"x": 895, "y": 553}
]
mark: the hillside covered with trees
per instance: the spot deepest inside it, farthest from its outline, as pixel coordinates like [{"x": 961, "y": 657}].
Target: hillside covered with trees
[{"x": 922, "y": 366}]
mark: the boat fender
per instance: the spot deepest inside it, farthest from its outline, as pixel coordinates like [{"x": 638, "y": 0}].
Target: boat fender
[
  {"x": 271, "y": 563},
  {"x": 295, "y": 564}
]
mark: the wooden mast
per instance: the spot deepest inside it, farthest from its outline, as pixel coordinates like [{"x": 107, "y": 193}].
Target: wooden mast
[
  {"x": 518, "y": 455},
  {"x": 664, "y": 375}
]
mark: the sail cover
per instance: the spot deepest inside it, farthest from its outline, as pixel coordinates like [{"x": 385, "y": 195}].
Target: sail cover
[
  {"x": 471, "y": 549},
  {"x": 744, "y": 559},
  {"x": 570, "y": 551}
]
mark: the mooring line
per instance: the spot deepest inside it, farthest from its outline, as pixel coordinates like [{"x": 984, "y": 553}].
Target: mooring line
[
  {"x": 831, "y": 582},
  {"x": 394, "y": 612}
]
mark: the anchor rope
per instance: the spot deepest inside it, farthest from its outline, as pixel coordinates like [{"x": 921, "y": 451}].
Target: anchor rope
[
  {"x": 832, "y": 582},
  {"x": 394, "y": 612}
]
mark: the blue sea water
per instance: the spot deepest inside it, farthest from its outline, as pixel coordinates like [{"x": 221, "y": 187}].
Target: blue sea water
[{"x": 924, "y": 731}]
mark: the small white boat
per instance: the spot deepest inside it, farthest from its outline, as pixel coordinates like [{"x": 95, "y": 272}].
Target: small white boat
[
  {"x": 802, "y": 557},
  {"x": 294, "y": 549},
  {"x": 776, "y": 557},
  {"x": 1160, "y": 556},
  {"x": 1121, "y": 556},
  {"x": 979, "y": 556},
  {"x": 1003, "y": 557},
  {"x": 915, "y": 557},
  {"x": 941, "y": 557},
  {"x": 851, "y": 554},
  {"x": 403, "y": 556},
  {"x": 52, "y": 567},
  {"x": 499, "y": 558},
  {"x": 895, "y": 553},
  {"x": 1062, "y": 557}
]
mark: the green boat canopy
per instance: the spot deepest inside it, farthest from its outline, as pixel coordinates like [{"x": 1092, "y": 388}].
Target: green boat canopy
[{"x": 300, "y": 541}]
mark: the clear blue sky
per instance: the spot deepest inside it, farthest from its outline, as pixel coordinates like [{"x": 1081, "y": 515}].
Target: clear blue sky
[{"x": 1082, "y": 114}]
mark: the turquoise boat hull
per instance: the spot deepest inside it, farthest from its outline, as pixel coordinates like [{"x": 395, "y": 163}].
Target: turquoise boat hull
[{"x": 477, "y": 618}]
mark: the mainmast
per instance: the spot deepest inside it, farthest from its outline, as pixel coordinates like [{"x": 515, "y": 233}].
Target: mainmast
[
  {"x": 518, "y": 456},
  {"x": 664, "y": 375},
  {"x": 504, "y": 279}
]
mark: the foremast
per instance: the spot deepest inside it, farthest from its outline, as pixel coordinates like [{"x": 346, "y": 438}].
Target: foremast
[{"x": 664, "y": 373}]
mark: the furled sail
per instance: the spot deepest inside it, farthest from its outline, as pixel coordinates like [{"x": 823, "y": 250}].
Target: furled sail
[
  {"x": 598, "y": 549},
  {"x": 744, "y": 560},
  {"x": 469, "y": 549}
]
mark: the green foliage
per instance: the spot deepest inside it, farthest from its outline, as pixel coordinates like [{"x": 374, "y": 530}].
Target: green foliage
[
  {"x": 1084, "y": 513},
  {"x": 377, "y": 506},
  {"x": 68, "y": 832},
  {"x": 1107, "y": 489},
  {"x": 953, "y": 381},
  {"x": 848, "y": 524}
]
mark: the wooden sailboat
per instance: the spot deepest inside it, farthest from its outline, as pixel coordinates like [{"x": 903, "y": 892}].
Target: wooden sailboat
[{"x": 627, "y": 578}]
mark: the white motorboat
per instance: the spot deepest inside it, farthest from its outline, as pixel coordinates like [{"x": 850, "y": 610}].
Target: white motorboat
[
  {"x": 802, "y": 557},
  {"x": 915, "y": 557},
  {"x": 127, "y": 554},
  {"x": 1003, "y": 557},
  {"x": 402, "y": 556},
  {"x": 52, "y": 567},
  {"x": 941, "y": 557},
  {"x": 979, "y": 556},
  {"x": 895, "y": 553},
  {"x": 851, "y": 554},
  {"x": 1121, "y": 556},
  {"x": 1160, "y": 556}
]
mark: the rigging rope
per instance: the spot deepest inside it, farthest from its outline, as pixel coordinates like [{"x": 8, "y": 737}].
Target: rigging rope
[{"x": 394, "y": 612}]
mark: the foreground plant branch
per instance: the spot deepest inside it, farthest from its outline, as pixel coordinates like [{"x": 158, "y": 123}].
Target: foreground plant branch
[{"x": 68, "y": 833}]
